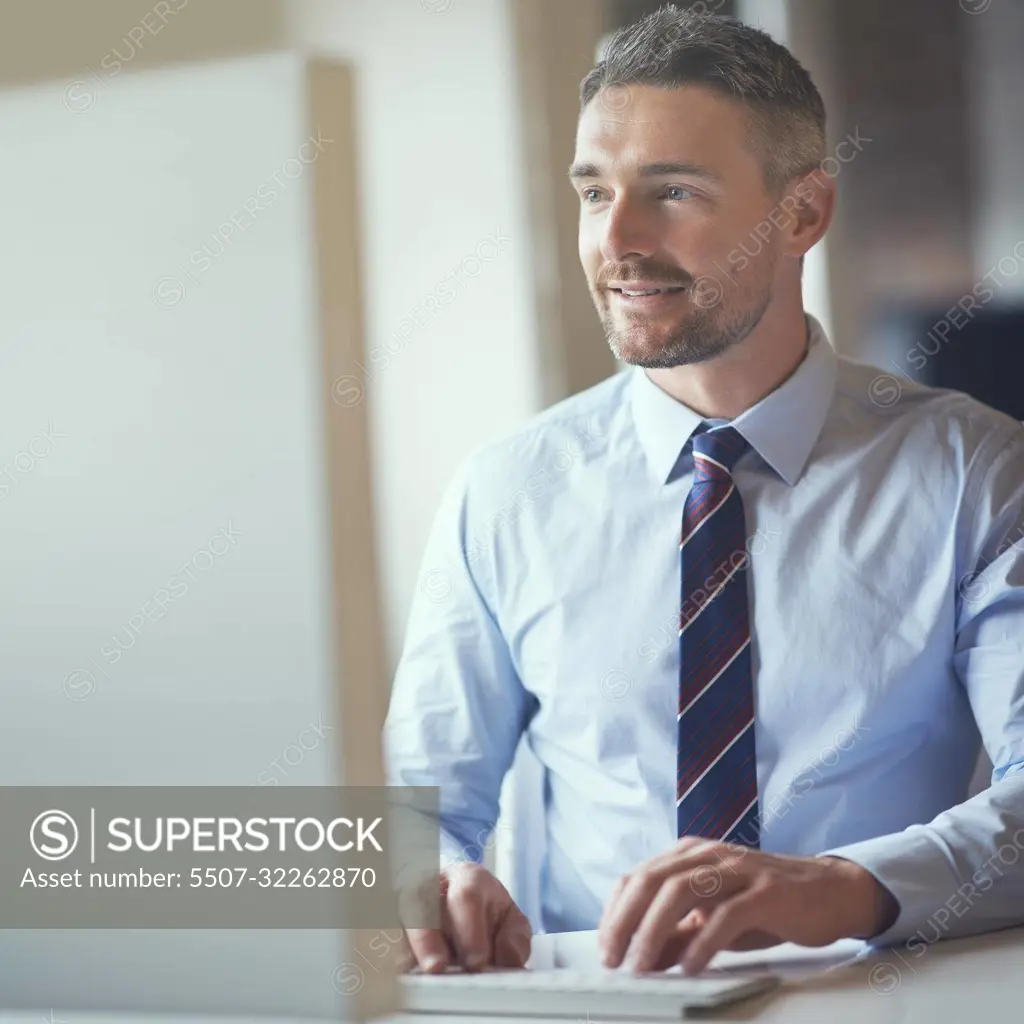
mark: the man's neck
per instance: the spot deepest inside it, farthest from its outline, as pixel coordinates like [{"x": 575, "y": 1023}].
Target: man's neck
[{"x": 738, "y": 379}]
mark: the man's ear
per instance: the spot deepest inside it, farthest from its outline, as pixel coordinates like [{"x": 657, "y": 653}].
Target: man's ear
[{"x": 810, "y": 206}]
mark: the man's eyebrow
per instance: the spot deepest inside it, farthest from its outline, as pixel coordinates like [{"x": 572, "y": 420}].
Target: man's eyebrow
[{"x": 587, "y": 170}]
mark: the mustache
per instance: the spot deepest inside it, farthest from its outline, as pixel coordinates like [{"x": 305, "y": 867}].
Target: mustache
[{"x": 629, "y": 274}]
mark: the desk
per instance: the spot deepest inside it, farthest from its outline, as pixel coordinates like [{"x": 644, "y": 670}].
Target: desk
[{"x": 979, "y": 980}]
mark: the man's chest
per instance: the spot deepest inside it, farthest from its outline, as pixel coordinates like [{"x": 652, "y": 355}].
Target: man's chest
[{"x": 845, "y": 596}]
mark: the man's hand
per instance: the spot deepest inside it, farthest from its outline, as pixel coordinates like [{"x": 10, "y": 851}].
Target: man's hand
[
  {"x": 480, "y": 925},
  {"x": 702, "y": 896}
]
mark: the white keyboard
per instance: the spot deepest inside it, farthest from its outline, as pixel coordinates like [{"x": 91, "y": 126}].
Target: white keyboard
[{"x": 584, "y": 995}]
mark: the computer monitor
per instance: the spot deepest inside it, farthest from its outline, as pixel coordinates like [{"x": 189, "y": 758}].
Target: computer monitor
[{"x": 185, "y": 517}]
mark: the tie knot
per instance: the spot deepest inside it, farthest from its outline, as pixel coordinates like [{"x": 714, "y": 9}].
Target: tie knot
[{"x": 722, "y": 445}]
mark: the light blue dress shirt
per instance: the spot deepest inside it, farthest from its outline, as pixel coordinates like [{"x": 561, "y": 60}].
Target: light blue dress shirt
[{"x": 885, "y": 526}]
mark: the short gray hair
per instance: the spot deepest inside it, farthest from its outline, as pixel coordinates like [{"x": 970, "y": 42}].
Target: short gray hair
[{"x": 671, "y": 48}]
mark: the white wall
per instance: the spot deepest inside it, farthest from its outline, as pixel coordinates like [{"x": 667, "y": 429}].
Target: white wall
[{"x": 441, "y": 176}]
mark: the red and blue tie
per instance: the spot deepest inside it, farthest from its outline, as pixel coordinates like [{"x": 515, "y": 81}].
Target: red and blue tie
[{"x": 716, "y": 784}]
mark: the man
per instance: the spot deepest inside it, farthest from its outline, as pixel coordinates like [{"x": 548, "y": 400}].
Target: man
[{"x": 749, "y": 611}]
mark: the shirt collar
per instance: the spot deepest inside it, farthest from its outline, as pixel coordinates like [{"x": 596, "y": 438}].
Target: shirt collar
[{"x": 782, "y": 428}]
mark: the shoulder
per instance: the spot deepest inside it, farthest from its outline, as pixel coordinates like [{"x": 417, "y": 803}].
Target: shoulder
[
  {"x": 932, "y": 422},
  {"x": 574, "y": 431}
]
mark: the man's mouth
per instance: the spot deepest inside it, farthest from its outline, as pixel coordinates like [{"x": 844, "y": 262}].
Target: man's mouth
[{"x": 646, "y": 297}]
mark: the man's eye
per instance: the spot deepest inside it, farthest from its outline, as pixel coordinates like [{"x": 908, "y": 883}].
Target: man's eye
[
  {"x": 589, "y": 192},
  {"x": 677, "y": 192}
]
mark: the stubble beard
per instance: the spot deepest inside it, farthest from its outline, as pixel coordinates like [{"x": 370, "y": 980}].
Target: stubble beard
[{"x": 702, "y": 335}]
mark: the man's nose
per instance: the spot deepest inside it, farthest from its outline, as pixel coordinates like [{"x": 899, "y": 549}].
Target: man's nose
[{"x": 628, "y": 232}]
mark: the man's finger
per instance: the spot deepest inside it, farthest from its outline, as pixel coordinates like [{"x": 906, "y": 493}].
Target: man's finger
[
  {"x": 744, "y": 912},
  {"x": 621, "y": 920},
  {"x": 610, "y": 905},
  {"x": 513, "y": 940},
  {"x": 470, "y": 931},
  {"x": 613, "y": 896},
  {"x": 680, "y": 939},
  {"x": 679, "y": 942},
  {"x": 669, "y": 907},
  {"x": 406, "y": 958},
  {"x": 430, "y": 948}
]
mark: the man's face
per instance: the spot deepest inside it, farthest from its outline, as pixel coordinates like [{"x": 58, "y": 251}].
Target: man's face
[{"x": 670, "y": 196}]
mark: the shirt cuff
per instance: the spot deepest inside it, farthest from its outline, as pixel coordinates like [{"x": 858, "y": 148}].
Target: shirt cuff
[{"x": 912, "y": 866}]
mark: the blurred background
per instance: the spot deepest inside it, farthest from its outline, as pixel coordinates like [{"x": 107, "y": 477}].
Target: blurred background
[{"x": 228, "y": 223}]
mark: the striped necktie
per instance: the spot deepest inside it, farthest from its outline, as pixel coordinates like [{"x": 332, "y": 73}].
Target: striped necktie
[{"x": 716, "y": 784}]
